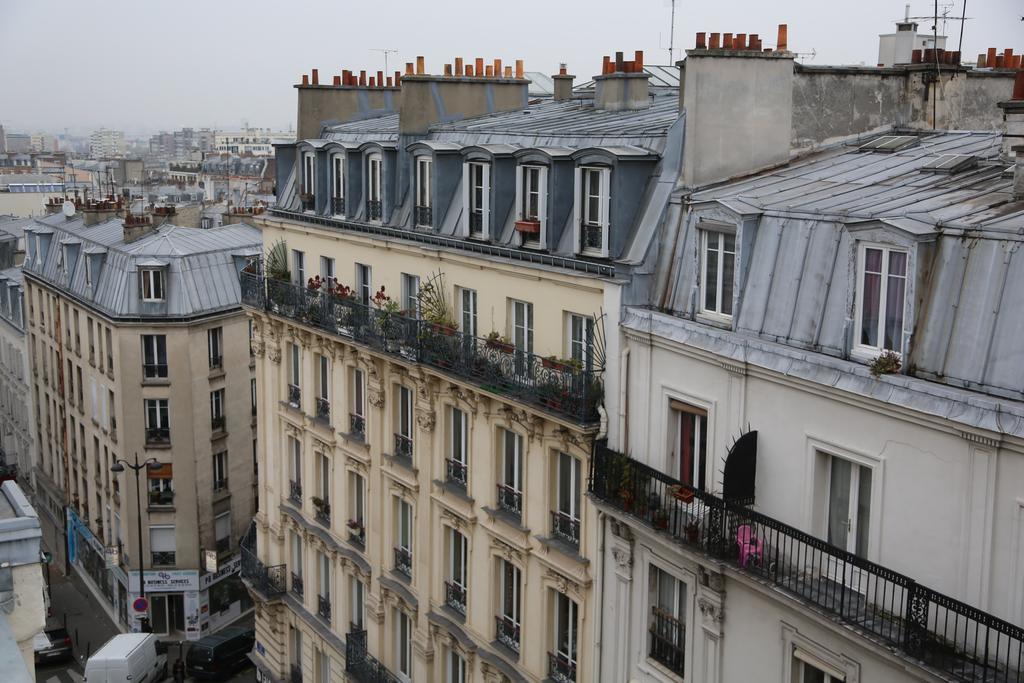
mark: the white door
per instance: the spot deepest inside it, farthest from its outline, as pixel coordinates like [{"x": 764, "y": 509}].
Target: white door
[{"x": 848, "y": 516}]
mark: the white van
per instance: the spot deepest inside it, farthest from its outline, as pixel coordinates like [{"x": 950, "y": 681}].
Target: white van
[{"x": 128, "y": 658}]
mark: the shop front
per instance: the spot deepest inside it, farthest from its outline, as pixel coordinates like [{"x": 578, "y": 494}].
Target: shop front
[
  {"x": 173, "y": 601},
  {"x": 222, "y": 598}
]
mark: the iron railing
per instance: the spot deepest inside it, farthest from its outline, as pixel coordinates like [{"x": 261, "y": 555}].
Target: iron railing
[
  {"x": 360, "y": 664},
  {"x": 424, "y": 216},
  {"x": 217, "y": 423},
  {"x": 295, "y": 491},
  {"x": 308, "y": 202},
  {"x": 323, "y": 409},
  {"x": 476, "y": 223},
  {"x": 373, "y": 211},
  {"x": 220, "y": 484},
  {"x": 297, "y": 586},
  {"x": 491, "y": 364},
  {"x": 163, "y": 558},
  {"x": 269, "y": 581},
  {"x": 323, "y": 512},
  {"x": 323, "y": 608},
  {"x": 457, "y": 471},
  {"x": 403, "y": 560},
  {"x": 216, "y": 362},
  {"x": 295, "y": 673},
  {"x": 668, "y": 640},
  {"x": 164, "y": 497},
  {"x": 510, "y": 500},
  {"x": 565, "y": 527},
  {"x": 507, "y": 632},
  {"x": 942, "y": 632},
  {"x": 403, "y": 447},
  {"x": 294, "y": 395},
  {"x": 455, "y": 596},
  {"x": 158, "y": 435},
  {"x": 357, "y": 426},
  {"x": 561, "y": 669},
  {"x": 338, "y": 206},
  {"x": 591, "y": 237},
  {"x": 154, "y": 370}
]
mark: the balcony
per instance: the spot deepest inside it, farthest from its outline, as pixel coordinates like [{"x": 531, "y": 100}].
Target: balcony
[
  {"x": 424, "y": 217},
  {"x": 510, "y": 500},
  {"x": 338, "y": 206},
  {"x": 294, "y": 396},
  {"x": 158, "y": 436},
  {"x": 269, "y": 581},
  {"x": 492, "y": 365},
  {"x": 943, "y": 633},
  {"x": 162, "y": 558},
  {"x": 507, "y": 632},
  {"x": 323, "y": 511},
  {"x": 403, "y": 561},
  {"x": 667, "y": 640},
  {"x": 323, "y": 608},
  {"x": 360, "y": 665},
  {"x": 163, "y": 498},
  {"x": 297, "y": 584},
  {"x": 154, "y": 370},
  {"x": 561, "y": 669},
  {"x": 217, "y": 424},
  {"x": 403, "y": 448},
  {"x": 357, "y": 532},
  {"x": 357, "y": 427},
  {"x": 216, "y": 362},
  {"x": 220, "y": 484},
  {"x": 295, "y": 491},
  {"x": 373, "y": 210},
  {"x": 457, "y": 472},
  {"x": 455, "y": 596},
  {"x": 566, "y": 528},
  {"x": 323, "y": 410},
  {"x": 295, "y": 673}
]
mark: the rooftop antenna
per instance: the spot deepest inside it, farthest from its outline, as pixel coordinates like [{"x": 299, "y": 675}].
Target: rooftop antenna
[
  {"x": 672, "y": 35},
  {"x": 386, "y": 51}
]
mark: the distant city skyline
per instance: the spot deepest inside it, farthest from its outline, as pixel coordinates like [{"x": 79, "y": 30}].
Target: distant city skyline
[{"x": 208, "y": 65}]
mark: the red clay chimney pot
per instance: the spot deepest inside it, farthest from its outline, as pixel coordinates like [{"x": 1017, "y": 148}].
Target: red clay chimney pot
[
  {"x": 713, "y": 43},
  {"x": 1018, "y": 86},
  {"x": 701, "y": 40},
  {"x": 726, "y": 41},
  {"x": 782, "y": 43},
  {"x": 316, "y": 77},
  {"x": 305, "y": 79},
  {"x": 458, "y": 66},
  {"x": 739, "y": 41}
]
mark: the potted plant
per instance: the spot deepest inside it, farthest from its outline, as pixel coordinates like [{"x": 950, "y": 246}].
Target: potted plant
[
  {"x": 660, "y": 519},
  {"x": 528, "y": 227},
  {"x": 682, "y": 493},
  {"x": 495, "y": 340},
  {"x": 692, "y": 532},
  {"x": 434, "y": 307},
  {"x": 888, "y": 363},
  {"x": 314, "y": 284},
  {"x": 321, "y": 505}
]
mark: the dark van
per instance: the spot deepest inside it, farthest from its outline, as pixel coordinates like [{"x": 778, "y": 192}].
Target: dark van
[{"x": 221, "y": 654}]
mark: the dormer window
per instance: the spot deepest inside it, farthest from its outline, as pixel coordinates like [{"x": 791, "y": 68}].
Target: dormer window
[
  {"x": 338, "y": 185},
  {"x": 531, "y": 205},
  {"x": 88, "y": 272},
  {"x": 478, "y": 180},
  {"x": 308, "y": 182},
  {"x": 62, "y": 262},
  {"x": 152, "y": 284},
  {"x": 594, "y": 189},
  {"x": 373, "y": 187},
  {"x": 717, "y": 265},
  {"x": 424, "y": 183},
  {"x": 881, "y": 295}
]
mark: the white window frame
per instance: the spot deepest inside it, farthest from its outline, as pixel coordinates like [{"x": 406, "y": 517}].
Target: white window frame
[
  {"x": 152, "y": 281},
  {"x": 297, "y": 555},
  {"x": 516, "y": 483},
  {"x": 151, "y": 351},
  {"x": 374, "y": 179},
  {"x": 458, "y": 558},
  {"x": 299, "y": 267},
  {"x": 424, "y": 182},
  {"x": 337, "y": 179},
  {"x": 358, "y": 393},
  {"x": 467, "y": 311},
  {"x": 403, "y": 525},
  {"x": 521, "y": 323},
  {"x": 469, "y": 187},
  {"x": 323, "y": 577},
  {"x": 410, "y": 294},
  {"x": 216, "y": 403},
  {"x": 215, "y": 345},
  {"x": 678, "y": 412},
  {"x": 295, "y": 459},
  {"x": 572, "y": 506},
  {"x": 357, "y": 497},
  {"x": 364, "y": 283},
  {"x": 162, "y": 412},
  {"x": 581, "y": 208},
  {"x": 864, "y": 350},
  {"x": 706, "y": 235},
  {"x": 309, "y": 173},
  {"x": 513, "y": 586},
  {"x": 523, "y": 187},
  {"x": 579, "y": 338},
  {"x": 356, "y": 599},
  {"x": 323, "y": 379},
  {"x": 403, "y": 645},
  {"x": 327, "y": 272},
  {"x": 458, "y": 435},
  {"x": 571, "y": 651},
  {"x": 323, "y": 475},
  {"x": 455, "y": 668},
  {"x": 295, "y": 365},
  {"x": 404, "y": 414},
  {"x": 220, "y": 468}
]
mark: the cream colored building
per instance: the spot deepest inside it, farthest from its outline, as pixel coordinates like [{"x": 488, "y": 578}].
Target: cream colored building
[
  {"x": 23, "y": 602},
  {"x": 139, "y": 349}
]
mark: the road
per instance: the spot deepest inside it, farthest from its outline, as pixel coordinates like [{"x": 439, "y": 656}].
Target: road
[{"x": 90, "y": 627}]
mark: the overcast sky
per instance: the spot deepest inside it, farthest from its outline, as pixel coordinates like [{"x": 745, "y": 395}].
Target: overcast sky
[{"x": 143, "y": 66}]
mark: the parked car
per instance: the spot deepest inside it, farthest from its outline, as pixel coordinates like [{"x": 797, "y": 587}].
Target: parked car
[
  {"x": 52, "y": 645},
  {"x": 220, "y": 654},
  {"x": 128, "y": 657}
]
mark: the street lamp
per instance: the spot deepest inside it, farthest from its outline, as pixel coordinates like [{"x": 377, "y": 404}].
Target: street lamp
[{"x": 119, "y": 466}]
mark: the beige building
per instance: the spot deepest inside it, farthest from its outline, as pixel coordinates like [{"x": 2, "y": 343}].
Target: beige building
[
  {"x": 139, "y": 351},
  {"x": 22, "y": 589}
]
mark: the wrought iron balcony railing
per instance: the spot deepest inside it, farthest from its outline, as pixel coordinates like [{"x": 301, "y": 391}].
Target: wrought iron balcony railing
[
  {"x": 510, "y": 500},
  {"x": 323, "y": 607},
  {"x": 269, "y": 581},
  {"x": 297, "y": 584},
  {"x": 357, "y": 532},
  {"x": 561, "y": 669},
  {"x": 294, "y": 395},
  {"x": 476, "y": 223},
  {"x": 323, "y": 511},
  {"x": 565, "y": 527},
  {"x": 323, "y": 409},
  {"x": 158, "y": 435},
  {"x": 403, "y": 447},
  {"x": 162, "y": 558},
  {"x": 491, "y": 364},
  {"x": 159, "y": 498},
  {"x": 357, "y": 426},
  {"x": 507, "y": 632},
  {"x": 338, "y": 206},
  {"x": 403, "y": 560},
  {"x": 295, "y": 491},
  {"x": 424, "y": 217},
  {"x": 360, "y": 664},
  {"x": 944, "y": 633},
  {"x": 308, "y": 202},
  {"x": 220, "y": 484},
  {"x": 373, "y": 211},
  {"x": 216, "y": 362},
  {"x": 217, "y": 423},
  {"x": 154, "y": 370},
  {"x": 295, "y": 673},
  {"x": 591, "y": 237},
  {"x": 668, "y": 640},
  {"x": 455, "y": 596},
  {"x": 458, "y": 472}
]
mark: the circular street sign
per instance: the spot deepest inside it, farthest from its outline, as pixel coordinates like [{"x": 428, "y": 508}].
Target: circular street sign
[{"x": 140, "y": 605}]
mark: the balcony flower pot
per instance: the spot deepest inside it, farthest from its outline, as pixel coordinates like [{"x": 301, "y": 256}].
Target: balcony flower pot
[
  {"x": 682, "y": 493},
  {"x": 496, "y": 341},
  {"x": 552, "y": 363},
  {"x": 692, "y": 532},
  {"x": 528, "y": 227},
  {"x": 660, "y": 519}
]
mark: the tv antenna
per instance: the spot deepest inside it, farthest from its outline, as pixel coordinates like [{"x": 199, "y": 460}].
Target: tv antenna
[
  {"x": 671, "y": 33},
  {"x": 386, "y": 51}
]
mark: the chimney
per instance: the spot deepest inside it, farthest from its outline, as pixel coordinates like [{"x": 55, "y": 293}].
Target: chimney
[
  {"x": 136, "y": 226},
  {"x": 624, "y": 85},
  {"x": 96, "y": 212},
  {"x": 739, "y": 108},
  {"x": 563, "y": 84},
  {"x": 1013, "y": 122},
  {"x": 430, "y": 98},
  {"x": 346, "y": 99}
]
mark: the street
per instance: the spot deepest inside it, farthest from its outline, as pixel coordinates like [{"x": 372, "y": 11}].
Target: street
[{"x": 73, "y": 606}]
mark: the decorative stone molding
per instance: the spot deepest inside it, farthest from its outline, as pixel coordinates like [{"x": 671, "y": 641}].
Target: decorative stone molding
[
  {"x": 623, "y": 556},
  {"x": 712, "y": 614},
  {"x": 466, "y": 397},
  {"x": 507, "y": 552},
  {"x": 274, "y": 353},
  {"x": 375, "y": 397},
  {"x": 570, "y": 438},
  {"x": 453, "y": 519},
  {"x": 356, "y": 465},
  {"x": 533, "y": 424},
  {"x": 402, "y": 490},
  {"x": 426, "y": 420},
  {"x": 737, "y": 369},
  {"x": 562, "y": 584},
  {"x": 258, "y": 348},
  {"x": 981, "y": 439}
]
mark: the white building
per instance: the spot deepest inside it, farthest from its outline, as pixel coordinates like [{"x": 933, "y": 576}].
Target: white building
[
  {"x": 22, "y": 598},
  {"x": 254, "y": 141},
  {"x": 105, "y": 143}
]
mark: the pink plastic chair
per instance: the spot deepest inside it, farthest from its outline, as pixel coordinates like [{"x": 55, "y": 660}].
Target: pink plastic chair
[{"x": 750, "y": 546}]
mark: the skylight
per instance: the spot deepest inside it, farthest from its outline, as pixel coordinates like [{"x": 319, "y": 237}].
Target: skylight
[
  {"x": 950, "y": 163},
  {"x": 889, "y": 143}
]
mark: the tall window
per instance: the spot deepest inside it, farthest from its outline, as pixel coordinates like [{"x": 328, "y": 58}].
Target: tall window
[
  {"x": 162, "y": 546},
  {"x": 458, "y": 575},
  {"x": 323, "y": 389},
  {"x": 158, "y": 424},
  {"x": 478, "y": 183},
  {"x": 323, "y": 476},
  {"x": 252, "y": 394},
  {"x": 510, "y": 487},
  {"x": 295, "y": 649},
  {"x": 818, "y": 672},
  {"x": 357, "y": 418},
  {"x": 338, "y": 185},
  {"x": 403, "y": 417},
  {"x": 323, "y": 667},
  {"x": 220, "y": 471},
  {"x": 424, "y": 183},
  {"x": 458, "y": 447},
  {"x": 324, "y": 585},
  {"x": 373, "y": 187},
  {"x": 308, "y": 174},
  {"x": 718, "y": 261},
  {"x": 357, "y": 507},
  {"x": 154, "y": 356},
  {"x": 411, "y": 294},
  {"x": 455, "y": 668},
  {"x": 299, "y": 267},
  {"x": 509, "y": 616},
  {"x": 295, "y": 467},
  {"x": 403, "y": 537},
  {"x": 880, "y": 301},
  {"x": 215, "y": 344},
  {"x": 594, "y": 192},
  {"x": 522, "y": 325},
  {"x": 159, "y": 483},
  {"x": 297, "y": 563},
  {"x": 581, "y": 339},
  {"x": 356, "y": 599},
  {"x": 294, "y": 375},
  {"x": 222, "y": 532},
  {"x": 849, "y": 505},
  {"x": 403, "y": 644},
  {"x": 467, "y": 311},
  {"x": 531, "y": 207},
  {"x": 666, "y": 629},
  {"x": 364, "y": 284},
  {"x": 689, "y": 443},
  {"x": 566, "y": 518},
  {"x": 152, "y": 284},
  {"x": 217, "y": 410},
  {"x": 563, "y": 659},
  {"x": 327, "y": 271}
]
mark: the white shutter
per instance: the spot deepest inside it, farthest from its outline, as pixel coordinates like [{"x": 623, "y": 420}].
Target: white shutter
[
  {"x": 486, "y": 207},
  {"x": 466, "y": 191},
  {"x": 161, "y": 539},
  {"x": 606, "y": 193},
  {"x": 578, "y": 198},
  {"x": 805, "y": 656},
  {"x": 542, "y": 204}
]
